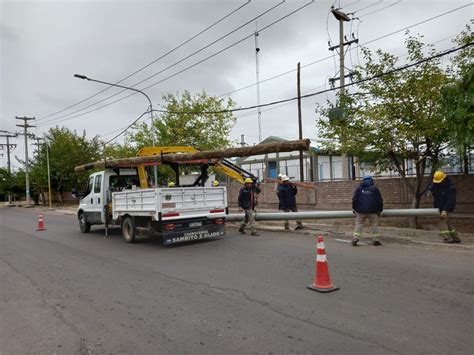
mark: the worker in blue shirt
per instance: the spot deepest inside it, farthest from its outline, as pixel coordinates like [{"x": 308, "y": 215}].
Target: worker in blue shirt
[
  {"x": 287, "y": 199},
  {"x": 367, "y": 204}
]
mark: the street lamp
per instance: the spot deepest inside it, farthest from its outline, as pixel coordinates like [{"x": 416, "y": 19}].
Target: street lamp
[{"x": 155, "y": 169}]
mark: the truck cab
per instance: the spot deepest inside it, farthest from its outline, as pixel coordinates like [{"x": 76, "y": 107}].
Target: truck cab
[{"x": 97, "y": 195}]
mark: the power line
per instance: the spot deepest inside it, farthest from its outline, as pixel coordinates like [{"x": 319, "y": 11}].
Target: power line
[
  {"x": 404, "y": 67},
  {"x": 154, "y": 61},
  {"x": 360, "y": 45},
  {"x": 172, "y": 65},
  {"x": 130, "y": 125},
  {"x": 175, "y": 74},
  {"x": 382, "y": 8},
  {"x": 369, "y": 6},
  {"x": 292, "y": 70}
]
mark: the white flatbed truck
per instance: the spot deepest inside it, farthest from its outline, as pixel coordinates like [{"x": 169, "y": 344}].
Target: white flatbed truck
[{"x": 177, "y": 214}]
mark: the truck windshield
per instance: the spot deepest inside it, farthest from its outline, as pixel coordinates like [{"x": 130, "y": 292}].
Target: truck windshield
[{"x": 90, "y": 183}]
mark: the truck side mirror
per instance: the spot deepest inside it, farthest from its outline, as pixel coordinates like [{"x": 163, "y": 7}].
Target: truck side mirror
[{"x": 76, "y": 194}]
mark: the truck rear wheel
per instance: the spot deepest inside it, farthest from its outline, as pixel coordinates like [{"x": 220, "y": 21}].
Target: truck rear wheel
[
  {"x": 84, "y": 226},
  {"x": 129, "y": 230}
]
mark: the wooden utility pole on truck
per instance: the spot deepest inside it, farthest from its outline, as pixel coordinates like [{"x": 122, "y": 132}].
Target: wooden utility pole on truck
[{"x": 287, "y": 146}]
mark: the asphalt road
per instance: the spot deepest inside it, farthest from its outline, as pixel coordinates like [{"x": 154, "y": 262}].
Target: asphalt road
[{"x": 70, "y": 293}]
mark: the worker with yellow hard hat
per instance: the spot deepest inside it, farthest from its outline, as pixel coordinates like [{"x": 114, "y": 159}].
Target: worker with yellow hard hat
[
  {"x": 171, "y": 184},
  {"x": 248, "y": 202},
  {"x": 215, "y": 183},
  {"x": 444, "y": 194}
]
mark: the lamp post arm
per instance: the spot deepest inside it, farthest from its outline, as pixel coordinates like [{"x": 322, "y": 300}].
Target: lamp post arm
[{"x": 123, "y": 87}]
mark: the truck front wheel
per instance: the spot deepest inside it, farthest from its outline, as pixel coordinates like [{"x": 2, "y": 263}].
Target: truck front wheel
[
  {"x": 129, "y": 230},
  {"x": 84, "y": 226}
]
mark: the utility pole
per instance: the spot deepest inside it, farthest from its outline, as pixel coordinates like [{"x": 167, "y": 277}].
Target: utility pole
[
  {"x": 343, "y": 17},
  {"x": 300, "y": 122},
  {"x": 38, "y": 144},
  {"x": 242, "y": 140},
  {"x": 257, "y": 72},
  {"x": 25, "y": 126},
  {"x": 8, "y": 135}
]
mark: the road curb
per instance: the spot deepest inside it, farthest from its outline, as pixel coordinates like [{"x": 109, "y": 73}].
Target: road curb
[{"x": 346, "y": 236}]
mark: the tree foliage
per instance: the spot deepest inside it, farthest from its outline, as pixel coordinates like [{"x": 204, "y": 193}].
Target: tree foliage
[
  {"x": 67, "y": 149},
  {"x": 394, "y": 117},
  {"x": 186, "y": 122},
  {"x": 457, "y": 100}
]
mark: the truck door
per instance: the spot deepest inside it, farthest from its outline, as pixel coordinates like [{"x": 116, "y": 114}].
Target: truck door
[
  {"x": 86, "y": 201},
  {"x": 96, "y": 201}
]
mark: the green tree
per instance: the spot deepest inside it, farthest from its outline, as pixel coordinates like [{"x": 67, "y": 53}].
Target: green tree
[
  {"x": 67, "y": 149},
  {"x": 186, "y": 123},
  {"x": 457, "y": 106},
  {"x": 394, "y": 117},
  {"x": 457, "y": 100},
  {"x": 118, "y": 150},
  {"x": 6, "y": 183}
]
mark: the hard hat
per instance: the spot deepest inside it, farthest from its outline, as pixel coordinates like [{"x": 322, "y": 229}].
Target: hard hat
[
  {"x": 248, "y": 181},
  {"x": 438, "y": 177},
  {"x": 171, "y": 184},
  {"x": 215, "y": 183},
  {"x": 279, "y": 176},
  {"x": 285, "y": 178}
]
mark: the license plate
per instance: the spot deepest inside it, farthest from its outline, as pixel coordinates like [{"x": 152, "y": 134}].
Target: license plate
[{"x": 195, "y": 224}]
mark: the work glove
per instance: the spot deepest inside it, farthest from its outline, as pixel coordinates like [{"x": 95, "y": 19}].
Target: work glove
[{"x": 444, "y": 214}]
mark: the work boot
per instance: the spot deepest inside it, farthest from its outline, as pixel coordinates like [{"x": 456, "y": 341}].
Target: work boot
[
  {"x": 242, "y": 230},
  {"x": 354, "y": 241},
  {"x": 255, "y": 233},
  {"x": 299, "y": 226},
  {"x": 377, "y": 243},
  {"x": 456, "y": 240},
  {"x": 287, "y": 227}
]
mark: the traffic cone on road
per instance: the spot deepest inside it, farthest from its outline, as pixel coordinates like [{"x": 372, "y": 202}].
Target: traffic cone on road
[
  {"x": 41, "y": 226},
  {"x": 322, "y": 281}
]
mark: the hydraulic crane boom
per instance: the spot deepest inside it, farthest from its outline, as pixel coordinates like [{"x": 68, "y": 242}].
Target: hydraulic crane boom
[{"x": 220, "y": 165}]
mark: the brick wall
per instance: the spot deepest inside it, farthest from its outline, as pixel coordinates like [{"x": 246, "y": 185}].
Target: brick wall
[{"x": 337, "y": 195}]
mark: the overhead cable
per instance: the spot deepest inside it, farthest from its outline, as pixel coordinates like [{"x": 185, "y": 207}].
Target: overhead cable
[
  {"x": 154, "y": 61},
  {"x": 168, "y": 67},
  {"x": 58, "y": 119}
]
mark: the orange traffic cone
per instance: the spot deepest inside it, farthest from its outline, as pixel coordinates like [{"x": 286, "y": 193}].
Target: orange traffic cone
[
  {"x": 322, "y": 281},
  {"x": 41, "y": 226}
]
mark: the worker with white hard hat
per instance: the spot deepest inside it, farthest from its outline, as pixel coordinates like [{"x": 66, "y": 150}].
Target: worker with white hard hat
[{"x": 287, "y": 199}]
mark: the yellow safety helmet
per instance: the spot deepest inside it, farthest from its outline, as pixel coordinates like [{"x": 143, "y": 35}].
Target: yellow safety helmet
[
  {"x": 438, "y": 177},
  {"x": 171, "y": 184},
  {"x": 215, "y": 183},
  {"x": 248, "y": 181}
]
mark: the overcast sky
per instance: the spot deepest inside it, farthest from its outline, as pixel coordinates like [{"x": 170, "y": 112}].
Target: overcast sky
[{"x": 44, "y": 43}]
